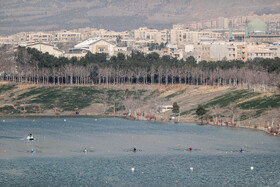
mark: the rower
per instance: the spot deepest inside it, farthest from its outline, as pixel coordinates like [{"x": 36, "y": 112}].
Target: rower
[
  {"x": 85, "y": 150},
  {"x": 190, "y": 148},
  {"x": 134, "y": 150},
  {"x": 241, "y": 150},
  {"x": 30, "y": 137}
]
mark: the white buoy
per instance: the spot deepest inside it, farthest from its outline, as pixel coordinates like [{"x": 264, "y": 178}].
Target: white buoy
[
  {"x": 64, "y": 119},
  {"x": 132, "y": 169},
  {"x": 95, "y": 120},
  {"x": 4, "y": 121},
  {"x": 191, "y": 168},
  {"x": 252, "y": 168},
  {"x": 33, "y": 120}
]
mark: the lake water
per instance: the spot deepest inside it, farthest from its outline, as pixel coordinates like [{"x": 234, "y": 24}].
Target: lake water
[{"x": 162, "y": 157}]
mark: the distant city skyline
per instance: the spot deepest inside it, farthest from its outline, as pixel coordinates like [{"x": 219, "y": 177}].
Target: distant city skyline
[
  {"x": 233, "y": 37},
  {"x": 238, "y": 22}
]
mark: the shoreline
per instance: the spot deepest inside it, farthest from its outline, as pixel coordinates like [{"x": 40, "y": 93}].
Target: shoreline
[{"x": 222, "y": 124}]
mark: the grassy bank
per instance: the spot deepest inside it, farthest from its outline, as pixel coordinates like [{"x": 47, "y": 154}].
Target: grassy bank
[{"x": 226, "y": 102}]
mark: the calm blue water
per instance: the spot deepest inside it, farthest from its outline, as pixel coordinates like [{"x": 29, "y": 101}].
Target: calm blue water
[{"x": 162, "y": 158}]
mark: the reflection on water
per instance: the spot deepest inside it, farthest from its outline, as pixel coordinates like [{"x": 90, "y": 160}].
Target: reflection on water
[
  {"x": 162, "y": 158},
  {"x": 10, "y": 137}
]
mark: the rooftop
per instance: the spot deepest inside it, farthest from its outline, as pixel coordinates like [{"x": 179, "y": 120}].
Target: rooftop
[
  {"x": 257, "y": 26},
  {"x": 85, "y": 44}
]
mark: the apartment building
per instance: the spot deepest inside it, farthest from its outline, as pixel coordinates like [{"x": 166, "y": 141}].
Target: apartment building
[
  {"x": 173, "y": 51},
  {"x": 218, "y": 51},
  {"x": 67, "y": 36},
  {"x": 276, "y": 48},
  {"x": 109, "y": 35},
  {"x": 206, "y": 34},
  {"x": 242, "y": 52},
  {"x": 6, "y": 40},
  {"x": 144, "y": 33},
  {"x": 39, "y": 37},
  {"x": 140, "y": 44},
  {"x": 261, "y": 51},
  {"x": 19, "y": 37},
  {"x": 162, "y": 36},
  {"x": 182, "y": 37},
  {"x": 179, "y": 36},
  {"x": 185, "y": 36},
  {"x": 202, "y": 51},
  {"x": 189, "y": 48}
]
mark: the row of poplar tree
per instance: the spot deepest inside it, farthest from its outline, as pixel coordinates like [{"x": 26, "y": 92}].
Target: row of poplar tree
[{"x": 32, "y": 66}]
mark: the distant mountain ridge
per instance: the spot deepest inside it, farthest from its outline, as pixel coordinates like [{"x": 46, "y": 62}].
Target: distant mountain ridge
[{"x": 41, "y": 15}]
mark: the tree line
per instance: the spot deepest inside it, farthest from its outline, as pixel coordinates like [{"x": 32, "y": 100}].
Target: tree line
[{"x": 28, "y": 65}]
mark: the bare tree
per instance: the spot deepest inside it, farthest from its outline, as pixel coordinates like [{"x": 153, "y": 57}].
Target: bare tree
[
  {"x": 216, "y": 112},
  {"x": 69, "y": 71}
]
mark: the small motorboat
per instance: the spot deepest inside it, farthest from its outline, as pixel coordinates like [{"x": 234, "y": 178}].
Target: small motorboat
[{"x": 30, "y": 137}]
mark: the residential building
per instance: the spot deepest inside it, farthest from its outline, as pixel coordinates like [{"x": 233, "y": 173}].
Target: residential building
[
  {"x": 144, "y": 33},
  {"x": 140, "y": 44},
  {"x": 67, "y": 36},
  {"x": 46, "y": 48},
  {"x": 202, "y": 51},
  {"x": 182, "y": 37},
  {"x": 162, "y": 36},
  {"x": 6, "y": 40},
  {"x": 173, "y": 50},
  {"x": 261, "y": 51},
  {"x": 78, "y": 53},
  {"x": 108, "y": 35},
  {"x": 218, "y": 51},
  {"x": 102, "y": 46},
  {"x": 97, "y": 45},
  {"x": 189, "y": 48},
  {"x": 39, "y": 37},
  {"x": 237, "y": 51}
]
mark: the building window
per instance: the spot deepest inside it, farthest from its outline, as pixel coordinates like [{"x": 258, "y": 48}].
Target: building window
[{"x": 102, "y": 49}]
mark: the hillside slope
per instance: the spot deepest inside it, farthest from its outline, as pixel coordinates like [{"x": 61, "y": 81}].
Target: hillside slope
[
  {"x": 28, "y": 15},
  {"x": 228, "y": 103}
]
